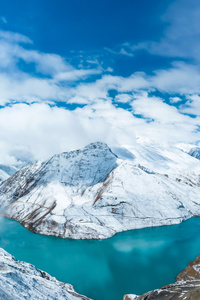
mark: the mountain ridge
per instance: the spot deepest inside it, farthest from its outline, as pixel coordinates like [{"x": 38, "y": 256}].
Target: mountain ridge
[{"x": 93, "y": 193}]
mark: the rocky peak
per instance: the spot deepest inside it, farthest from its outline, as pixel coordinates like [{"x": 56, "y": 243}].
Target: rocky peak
[
  {"x": 81, "y": 168},
  {"x": 91, "y": 193},
  {"x": 97, "y": 146},
  {"x": 195, "y": 152}
]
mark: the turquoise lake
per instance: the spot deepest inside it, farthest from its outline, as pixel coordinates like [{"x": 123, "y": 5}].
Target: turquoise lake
[{"x": 135, "y": 261}]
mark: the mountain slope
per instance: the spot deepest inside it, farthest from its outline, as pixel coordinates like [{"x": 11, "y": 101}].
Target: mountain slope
[
  {"x": 92, "y": 193},
  {"x": 187, "y": 286},
  {"x": 195, "y": 152},
  {"x": 20, "y": 280},
  {"x": 6, "y": 171}
]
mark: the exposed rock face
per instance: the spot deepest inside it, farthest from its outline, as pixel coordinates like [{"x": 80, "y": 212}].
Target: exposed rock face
[
  {"x": 195, "y": 152},
  {"x": 187, "y": 286},
  {"x": 192, "y": 272},
  {"x": 130, "y": 297},
  {"x": 20, "y": 280},
  {"x": 92, "y": 193}
]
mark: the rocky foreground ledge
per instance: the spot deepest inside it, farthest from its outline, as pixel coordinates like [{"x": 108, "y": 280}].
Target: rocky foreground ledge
[
  {"x": 20, "y": 280},
  {"x": 187, "y": 286}
]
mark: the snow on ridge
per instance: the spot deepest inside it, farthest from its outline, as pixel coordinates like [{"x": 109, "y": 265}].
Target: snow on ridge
[
  {"x": 6, "y": 171},
  {"x": 195, "y": 152},
  {"x": 82, "y": 168},
  {"x": 92, "y": 193}
]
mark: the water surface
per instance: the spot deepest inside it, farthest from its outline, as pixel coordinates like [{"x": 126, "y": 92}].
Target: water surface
[{"x": 135, "y": 261}]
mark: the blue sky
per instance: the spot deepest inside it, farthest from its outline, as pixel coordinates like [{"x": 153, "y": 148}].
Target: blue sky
[
  {"x": 70, "y": 27},
  {"x": 62, "y": 26},
  {"x": 72, "y": 72}
]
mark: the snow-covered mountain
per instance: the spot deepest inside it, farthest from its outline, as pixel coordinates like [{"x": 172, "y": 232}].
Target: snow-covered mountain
[
  {"x": 94, "y": 193},
  {"x": 195, "y": 152},
  {"x": 20, "y": 280},
  {"x": 6, "y": 171}
]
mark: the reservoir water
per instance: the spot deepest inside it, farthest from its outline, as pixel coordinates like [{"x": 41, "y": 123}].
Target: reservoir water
[{"x": 135, "y": 261}]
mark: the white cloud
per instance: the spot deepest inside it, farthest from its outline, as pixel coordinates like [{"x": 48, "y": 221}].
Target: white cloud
[
  {"x": 165, "y": 123},
  {"x": 39, "y": 131},
  {"x": 192, "y": 105},
  {"x": 74, "y": 75},
  {"x": 125, "y": 52},
  {"x": 58, "y": 75},
  {"x": 121, "y": 51},
  {"x": 154, "y": 108},
  {"x": 182, "y": 78},
  {"x": 21, "y": 87},
  {"x": 50, "y": 70},
  {"x": 123, "y": 98},
  {"x": 14, "y": 37},
  {"x": 181, "y": 36},
  {"x": 175, "y": 99},
  {"x": 3, "y": 19},
  {"x": 48, "y": 130}
]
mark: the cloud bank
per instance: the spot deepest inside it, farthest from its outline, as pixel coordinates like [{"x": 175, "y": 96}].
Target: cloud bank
[{"x": 47, "y": 105}]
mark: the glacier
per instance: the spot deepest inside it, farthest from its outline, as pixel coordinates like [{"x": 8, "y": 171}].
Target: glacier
[{"x": 96, "y": 192}]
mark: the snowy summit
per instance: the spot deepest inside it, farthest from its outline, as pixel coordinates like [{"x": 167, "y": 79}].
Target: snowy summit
[{"x": 95, "y": 193}]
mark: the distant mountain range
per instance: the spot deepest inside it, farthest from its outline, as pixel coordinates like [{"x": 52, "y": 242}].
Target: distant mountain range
[{"x": 96, "y": 192}]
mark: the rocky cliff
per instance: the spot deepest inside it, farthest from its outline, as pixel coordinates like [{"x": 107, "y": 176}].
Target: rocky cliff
[{"x": 187, "y": 286}]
